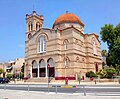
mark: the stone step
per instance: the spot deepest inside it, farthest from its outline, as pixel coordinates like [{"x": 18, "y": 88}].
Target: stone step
[{"x": 37, "y": 80}]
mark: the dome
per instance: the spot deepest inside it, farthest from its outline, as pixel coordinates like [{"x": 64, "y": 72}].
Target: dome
[{"x": 67, "y": 18}]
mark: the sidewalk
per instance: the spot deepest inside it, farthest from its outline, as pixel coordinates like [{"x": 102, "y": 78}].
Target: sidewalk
[
  {"x": 70, "y": 82},
  {"x": 14, "y": 94}
]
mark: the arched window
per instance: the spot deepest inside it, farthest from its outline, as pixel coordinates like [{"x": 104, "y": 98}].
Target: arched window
[
  {"x": 37, "y": 26},
  {"x": 65, "y": 46},
  {"x": 30, "y": 26},
  {"x": 94, "y": 47},
  {"x": 65, "y": 43},
  {"x": 67, "y": 61},
  {"x": 42, "y": 44}
]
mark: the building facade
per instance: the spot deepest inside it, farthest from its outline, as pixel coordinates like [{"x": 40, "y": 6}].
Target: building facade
[
  {"x": 65, "y": 48},
  {"x": 12, "y": 67}
]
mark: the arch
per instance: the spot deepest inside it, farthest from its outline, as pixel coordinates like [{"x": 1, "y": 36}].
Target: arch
[
  {"x": 34, "y": 64},
  {"x": 29, "y": 35},
  {"x": 37, "y": 26},
  {"x": 43, "y": 33},
  {"x": 65, "y": 43},
  {"x": 42, "y": 68},
  {"x": 30, "y": 26},
  {"x": 51, "y": 70},
  {"x": 66, "y": 61},
  {"x": 34, "y": 68},
  {"x": 42, "y": 63},
  {"x": 50, "y": 61}
]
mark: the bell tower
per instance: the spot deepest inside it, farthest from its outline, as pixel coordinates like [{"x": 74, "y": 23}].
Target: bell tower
[{"x": 33, "y": 23}]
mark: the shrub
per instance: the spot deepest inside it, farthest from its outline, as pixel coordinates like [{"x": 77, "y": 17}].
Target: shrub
[
  {"x": 107, "y": 72},
  {"x": 91, "y": 74},
  {"x": 9, "y": 76}
]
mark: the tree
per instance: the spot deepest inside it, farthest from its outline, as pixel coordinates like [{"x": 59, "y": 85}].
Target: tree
[
  {"x": 107, "y": 72},
  {"x": 111, "y": 35},
  {"x": 104, "y": 55},
  {"x": 22, "y": 68},
  {"x": 1, "y": 71},
  {"x": 22, "y": 71}
]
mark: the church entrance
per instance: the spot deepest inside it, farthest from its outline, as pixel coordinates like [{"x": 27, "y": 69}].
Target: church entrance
[
  {"x": 52, "y": 68},
  {"x": 42, "y": 68},
  {"x": 42, "y": 72},
  {"x": 34, "y": 69},
  {"x": 51, "y": 72},
  {"x": 34, "y": 72}
]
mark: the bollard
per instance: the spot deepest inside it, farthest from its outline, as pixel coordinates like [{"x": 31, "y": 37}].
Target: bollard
[
  {"x": 84, "y": 90},
  {"x": 119, "y": 80},
  {"x": 95, "y": 81},
  {"x": 28, "y": 88},
  {"x": 56, "y": 89}
]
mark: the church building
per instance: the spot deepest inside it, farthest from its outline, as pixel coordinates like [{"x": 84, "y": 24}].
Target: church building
[{"x": 62, "y": 51}]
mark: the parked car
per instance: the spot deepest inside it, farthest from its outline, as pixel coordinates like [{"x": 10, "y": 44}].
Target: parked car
[{"x": 4, "y": 80}]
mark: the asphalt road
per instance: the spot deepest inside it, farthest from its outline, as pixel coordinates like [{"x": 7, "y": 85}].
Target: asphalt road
[{"x": 94, "y": 89}]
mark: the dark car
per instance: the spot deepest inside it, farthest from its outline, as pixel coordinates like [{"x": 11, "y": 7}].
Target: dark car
[{"x": 4, "y": 80}]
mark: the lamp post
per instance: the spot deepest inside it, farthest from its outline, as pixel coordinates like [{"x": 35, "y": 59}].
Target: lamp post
[{"x": 48, "y": 67}]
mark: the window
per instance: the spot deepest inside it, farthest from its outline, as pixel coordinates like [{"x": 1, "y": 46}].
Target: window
[
  {"x": 30, "y": 26},
  {"x": 94, "y": 47},
  {"x": 37, "y": 26},
  {"x": 29, "y": 35},
  {"x": 66, "y": 62},
  {"x": 65, "y": 43},
  {"x": 42, "y": 44},
  {"x": 65, "y": 46}
]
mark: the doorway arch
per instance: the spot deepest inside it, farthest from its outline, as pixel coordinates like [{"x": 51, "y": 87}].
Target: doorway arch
[
  {"x": 34, "y": 68},
  {"x": 51, "y": 70},
  {"x": 42, "y": 68}
]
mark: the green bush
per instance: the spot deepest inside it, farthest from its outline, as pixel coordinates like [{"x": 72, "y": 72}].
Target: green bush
[
  {"x": 107, "y": 72},
  {"x": 91, "y": 74},
  {"x": 9, "y": 76}
]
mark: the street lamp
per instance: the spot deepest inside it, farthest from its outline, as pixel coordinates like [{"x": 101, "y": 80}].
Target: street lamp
[{"x": 48, "y": 67}]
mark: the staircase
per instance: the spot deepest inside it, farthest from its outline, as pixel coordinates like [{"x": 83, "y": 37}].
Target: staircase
[{"x": 41, "y": 80}]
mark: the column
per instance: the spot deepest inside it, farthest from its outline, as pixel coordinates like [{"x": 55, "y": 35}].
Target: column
[
  {"x": 38, "y": 71},
  {"x": 31, "y": 72},
  {"x": 46, "y": 71}
]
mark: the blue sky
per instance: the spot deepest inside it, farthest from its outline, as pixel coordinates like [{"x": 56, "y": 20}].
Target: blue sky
[{"x": 93, "y": 13}]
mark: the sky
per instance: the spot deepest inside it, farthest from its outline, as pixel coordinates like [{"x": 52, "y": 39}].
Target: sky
[{"x": 93, "y": 13}]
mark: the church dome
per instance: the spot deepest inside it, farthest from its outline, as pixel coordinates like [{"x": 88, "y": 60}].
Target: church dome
[{"x": 67, "y": 18}]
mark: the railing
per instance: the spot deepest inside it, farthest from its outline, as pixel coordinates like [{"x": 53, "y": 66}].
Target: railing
[{"x": 52, "y": 88}]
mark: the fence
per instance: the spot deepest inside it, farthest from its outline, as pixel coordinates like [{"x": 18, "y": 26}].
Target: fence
[{"x": 51, "y": 88}]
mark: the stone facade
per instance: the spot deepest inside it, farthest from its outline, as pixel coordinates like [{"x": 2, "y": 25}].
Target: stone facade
[{"x": 65, "y": 48}]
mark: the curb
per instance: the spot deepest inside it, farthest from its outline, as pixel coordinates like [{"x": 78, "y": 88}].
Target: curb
[{"x": 63, "y": 86}]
